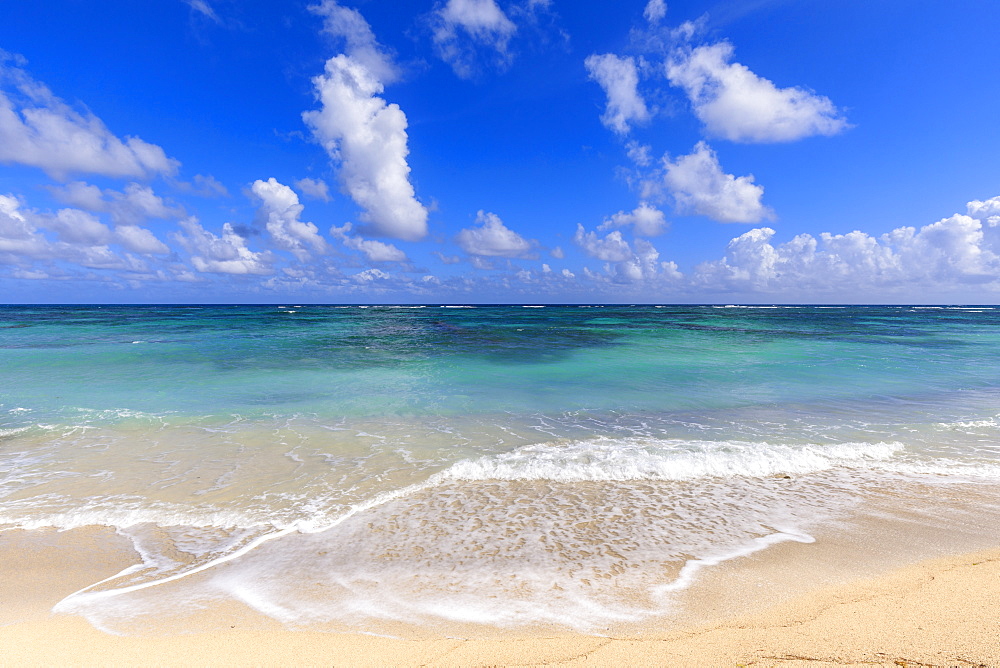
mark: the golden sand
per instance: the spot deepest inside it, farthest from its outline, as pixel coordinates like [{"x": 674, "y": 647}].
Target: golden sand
[{"x": 942, "y": 612}]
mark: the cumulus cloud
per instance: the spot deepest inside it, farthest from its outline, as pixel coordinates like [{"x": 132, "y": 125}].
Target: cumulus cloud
[
  {"x": 986, "y": 211},
  {"x": 280, "y": 211},
  {"x": 620, "y": 79},
  {"x": 626, "y": 263},
  {"x": 945, "y": 255},
  {"x": 699, "y": 186},
  {"x": 367, "y": 137},
  {"x": 226, "y": 254},
  {"x": 82, "y": 238},
  {"x": 359, "y": 41},
  {"x": 639, "y": 153},
  {"x": 40, "y": 130},
  {"x": 135, "y": 204},
  {"x": 18, "y": 236},
  {"x": 138, "y": 203},
  {"x": 79, "y": 227},
  {"x": 376, "y": 251},
  {"x": 645, "y": 220},
  {"x": 461, "y": 26},
  {"x": 655, "y": 11},
  {"x": 610, "y": 248},
  {"x": 314, "y": 188},
  {"x": 369, "y": 275},
  {"x": 736, "y": 104},
  {"x": 493, "y": 239},
  {"x": 80, "y": 194},
  {"x": 140, "y": 240}
]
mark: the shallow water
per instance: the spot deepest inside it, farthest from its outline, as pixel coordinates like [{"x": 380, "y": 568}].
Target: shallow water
[{"x": 352, "y": 467}]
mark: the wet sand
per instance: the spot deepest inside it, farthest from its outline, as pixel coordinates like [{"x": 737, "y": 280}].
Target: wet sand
[{"x": 939, "y": 612}]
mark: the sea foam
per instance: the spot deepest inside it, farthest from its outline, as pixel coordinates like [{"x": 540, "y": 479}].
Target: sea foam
[{"x": 609, "y": 459}]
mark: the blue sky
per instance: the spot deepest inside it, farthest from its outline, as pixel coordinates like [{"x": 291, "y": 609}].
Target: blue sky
[{"x": 500, "y": 151}]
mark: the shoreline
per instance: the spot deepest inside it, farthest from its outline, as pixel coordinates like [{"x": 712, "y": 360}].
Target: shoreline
[{"x": 936, "y": 612}]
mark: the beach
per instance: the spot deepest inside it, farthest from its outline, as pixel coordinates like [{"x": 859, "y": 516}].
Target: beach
[
  {"x": 939, "y": 612},
  {"x": 498, "y": 484},
  {"x": 499, "y": 333}
]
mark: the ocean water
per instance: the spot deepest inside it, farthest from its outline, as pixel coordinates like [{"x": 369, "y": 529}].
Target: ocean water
[{"x": 366, "y": 468}]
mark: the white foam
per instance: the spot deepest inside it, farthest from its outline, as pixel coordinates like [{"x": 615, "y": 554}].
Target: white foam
[
  {"x": 969, "y": 424},
  {"x": 946, "y": 470},
  {"x": 689, "y": 572},
  {"x": 650, "y": 524},
  {"x": 113, "y": 513},
  {"x": 84, "y": 596},
  {"x": 606, "y": 459}
]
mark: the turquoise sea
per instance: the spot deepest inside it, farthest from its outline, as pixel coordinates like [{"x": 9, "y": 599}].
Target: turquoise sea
[{"x": 359, "y": 467}]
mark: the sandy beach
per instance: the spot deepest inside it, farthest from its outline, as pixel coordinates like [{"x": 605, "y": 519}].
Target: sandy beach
[{"x": 941, "y": 612}]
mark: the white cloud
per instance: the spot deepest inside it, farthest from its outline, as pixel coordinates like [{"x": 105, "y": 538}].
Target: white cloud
[
  {"x": 611, "y": 248},
  {"x": 78, "y": 227},
  {"x": 368, "y": 138},
  {"x": 557, "y": 253},
  {"x": 30, "y": 275},
  {"x": 138, "y": 203},
  {"x": 40, "y": 130},
  {"x": 359, "y": 41},
  {"x": 227, "y": 254},
  {"x": 655, "y": 11},
  {"x": 101, "y": 257},
  {"x": 481, "y": 263},
  {"x": 130, "y": 207},
  {"x": 493, "y": 239},
  {"x": 280, "y": 211},
  {"x": 987, "y": 212},
  {"x": 947, "y": 255},
  {"x": 699, "y": 186},
  {"x": 376, "y": 251},
  {"x": 736, "y": 104},
  {"x": 314, "y": 188},
  {"x": 642, "y": 265},
  {"x": 619, "y": 79},
  {"x": 459, "y": 26},
  {"x": 83, "y": 239},
  {"x": 625, "y": 263},
  {"x": 447, "y": 259},
  {"x": 80, "y": 194},
  {"x": 639, "y": 153},
  {"x": 18, "y": 236},
  {"x": 140, "y": 240},
  {"x": 369, "y": 275},
  {"x": 646, "y": 220}
]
